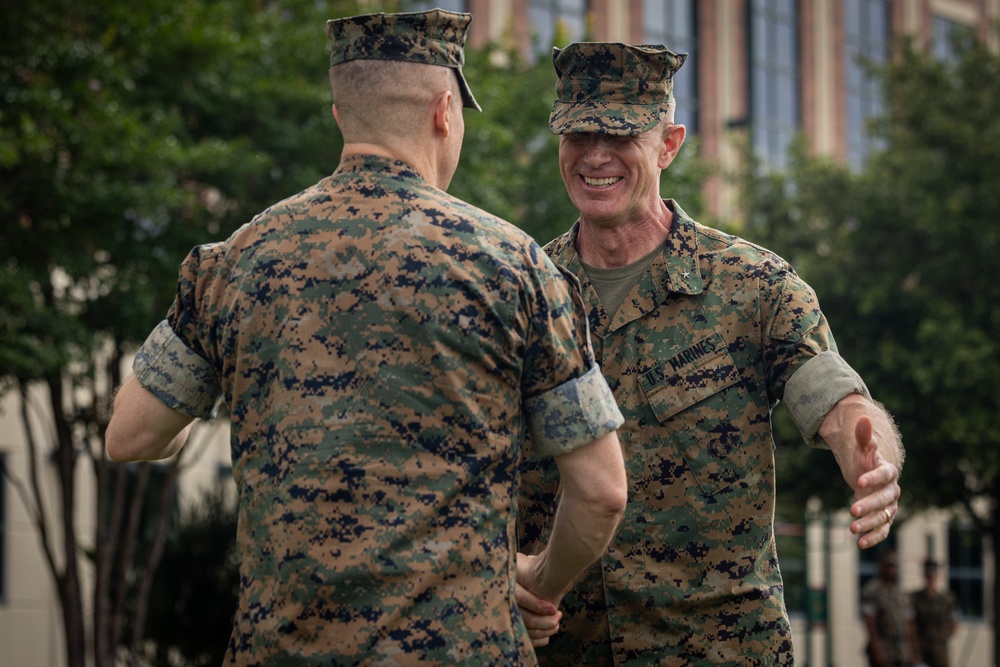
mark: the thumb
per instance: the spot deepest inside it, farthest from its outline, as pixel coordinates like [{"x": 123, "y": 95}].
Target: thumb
[
  {"x": 863, "y": 434},
  {"x": 528, "y": 600}
]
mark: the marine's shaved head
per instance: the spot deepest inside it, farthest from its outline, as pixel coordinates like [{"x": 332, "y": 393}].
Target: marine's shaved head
[{"x": 379, "y": 100}]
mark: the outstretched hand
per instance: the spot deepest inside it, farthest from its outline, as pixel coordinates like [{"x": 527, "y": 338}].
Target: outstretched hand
[
  {"x": 875, "y": 481},
  {"x": 869, "y": 451}
]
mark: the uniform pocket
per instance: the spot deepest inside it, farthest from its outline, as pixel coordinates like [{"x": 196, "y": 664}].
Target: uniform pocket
[
  {"x": 698, "y": 397},
  {"x": 698, "y": 372}
]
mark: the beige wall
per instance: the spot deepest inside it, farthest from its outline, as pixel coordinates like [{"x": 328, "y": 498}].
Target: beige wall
[
  {"x": 30, "y": 627},
  {"x": 31, "y": 632},
  {"x": 972, "y": 642}
]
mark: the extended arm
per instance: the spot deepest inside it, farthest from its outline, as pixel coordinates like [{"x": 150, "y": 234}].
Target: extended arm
[
  {"x": 592, "y": 503},
  {"x": 593, "y": 498},
  {"x": 869, "y": 451},
  {"x": 142, "y": 428}
]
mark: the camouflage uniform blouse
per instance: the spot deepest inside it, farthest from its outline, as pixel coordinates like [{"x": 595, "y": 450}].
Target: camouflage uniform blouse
[
  {"x": 382, "y": 348},
  {"x": 893, "y": 612},
  {"x": 934, "y": 615},
  {"x": 697, "y": 357}
]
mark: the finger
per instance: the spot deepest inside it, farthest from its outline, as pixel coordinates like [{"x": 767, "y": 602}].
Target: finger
[
  {"x": 875, "y": 526},
  {"x": 543, "y": 624},
  {"x": 540, "y": 628},
  {"x": 871, "y": 538},
  {"x": 870, "y": 507},
  {"x": 883, "y": 474},
  {"x": 538, "y": 633},
  {"x": 873, "y": 521},
  {"x": 531, "y": 603},
  {"x": 875, "y": 498}
]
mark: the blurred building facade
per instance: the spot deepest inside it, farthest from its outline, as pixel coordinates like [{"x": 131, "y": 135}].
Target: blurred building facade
[{"x": 760, "y": 70}]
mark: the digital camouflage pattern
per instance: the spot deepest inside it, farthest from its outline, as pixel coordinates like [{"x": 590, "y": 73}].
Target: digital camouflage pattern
[
  {"x": 934, "y": 616},
  {"x": 382, "y": 347},
  {"x": 697, "y": 356},
  {"x": 612, "y": 88},
  {"x": 892, "y": 611},
  {"x": 434, "y": 37}
]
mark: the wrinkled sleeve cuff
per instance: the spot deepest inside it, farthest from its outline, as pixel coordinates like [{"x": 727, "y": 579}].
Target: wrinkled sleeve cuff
[
  {"x": 571, "y": 415},
  {"x": 176, "y": 375},
  {"x": 815, "y": 388}
]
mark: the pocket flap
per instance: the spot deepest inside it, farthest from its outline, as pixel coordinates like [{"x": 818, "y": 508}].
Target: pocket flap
[{"x": 689, "y": 377}]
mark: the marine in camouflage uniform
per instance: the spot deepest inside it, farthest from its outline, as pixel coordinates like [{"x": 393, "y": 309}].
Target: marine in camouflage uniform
[
  {"x": 382, "y": 348},
  {"x": 934, "y": 618},
  {"x": 711, "y": 332},
  {"x": 888, "y": 616}
]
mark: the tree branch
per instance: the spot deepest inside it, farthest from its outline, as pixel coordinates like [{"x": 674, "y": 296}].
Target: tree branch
[{"x": 36, "y": 509}]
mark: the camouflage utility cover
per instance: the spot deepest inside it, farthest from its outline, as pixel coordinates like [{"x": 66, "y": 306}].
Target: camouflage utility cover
[
  {"x": 612, "y": 88},
  {"x": 434, "y": 37},
  {"x": 382, "y": 348},
  {"x": 697, "y": 356}
]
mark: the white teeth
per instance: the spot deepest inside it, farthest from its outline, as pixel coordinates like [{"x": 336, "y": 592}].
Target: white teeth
[{"x": 601, "y": 182}]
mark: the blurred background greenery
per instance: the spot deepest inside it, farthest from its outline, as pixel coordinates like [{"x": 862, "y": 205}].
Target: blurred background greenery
[{"x": 131, "y": 131}]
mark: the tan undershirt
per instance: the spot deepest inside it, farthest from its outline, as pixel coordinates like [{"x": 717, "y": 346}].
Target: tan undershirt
[{"x": 614, "y": 285}]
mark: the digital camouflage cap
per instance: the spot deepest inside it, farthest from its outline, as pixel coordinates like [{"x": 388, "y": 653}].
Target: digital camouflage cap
[
  {"x": 612, "y": 88},
  {"x": 434, "y": 37}
]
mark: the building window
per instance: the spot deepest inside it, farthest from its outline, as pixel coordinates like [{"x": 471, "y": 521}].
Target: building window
[
  {"x": 556, "y": 22},
  {"x": 866, "y": 43},
  {"x": 460, "y": 6},
  {"x": 965, "y": 569},
  {"x": 774, "y": 78},
  {"x": 673, "y": 24},
  {"x": 946, "y": 36}
]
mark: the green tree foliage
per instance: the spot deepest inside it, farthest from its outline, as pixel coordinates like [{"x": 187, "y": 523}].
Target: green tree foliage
[
  {"x": 195, "y": 590},
  {"x": 901, "y": 256},
  {"x": 129, "y": 132},
  {"x": 509, "y": 162}
]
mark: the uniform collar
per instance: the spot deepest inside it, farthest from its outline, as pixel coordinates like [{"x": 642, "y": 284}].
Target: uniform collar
[
  {"x": 680, "y": 254},
  {"x": 367, "y": 164},
  {"x": 675, "y": 271}
]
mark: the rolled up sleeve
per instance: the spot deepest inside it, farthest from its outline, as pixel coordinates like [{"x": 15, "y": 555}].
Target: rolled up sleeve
[
  {"x": 176, "y": 375},
  {"x": 815, "y": 387},
  {"x": 571, "y": 415}
]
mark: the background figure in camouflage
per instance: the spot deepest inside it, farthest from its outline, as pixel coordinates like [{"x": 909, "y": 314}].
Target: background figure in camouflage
[
  {"x": 933, "y": 617},
  {"x": 888, "y": 616},
  {"x": 383, "y": 349},
  {"x": 700, "y": 334}
]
